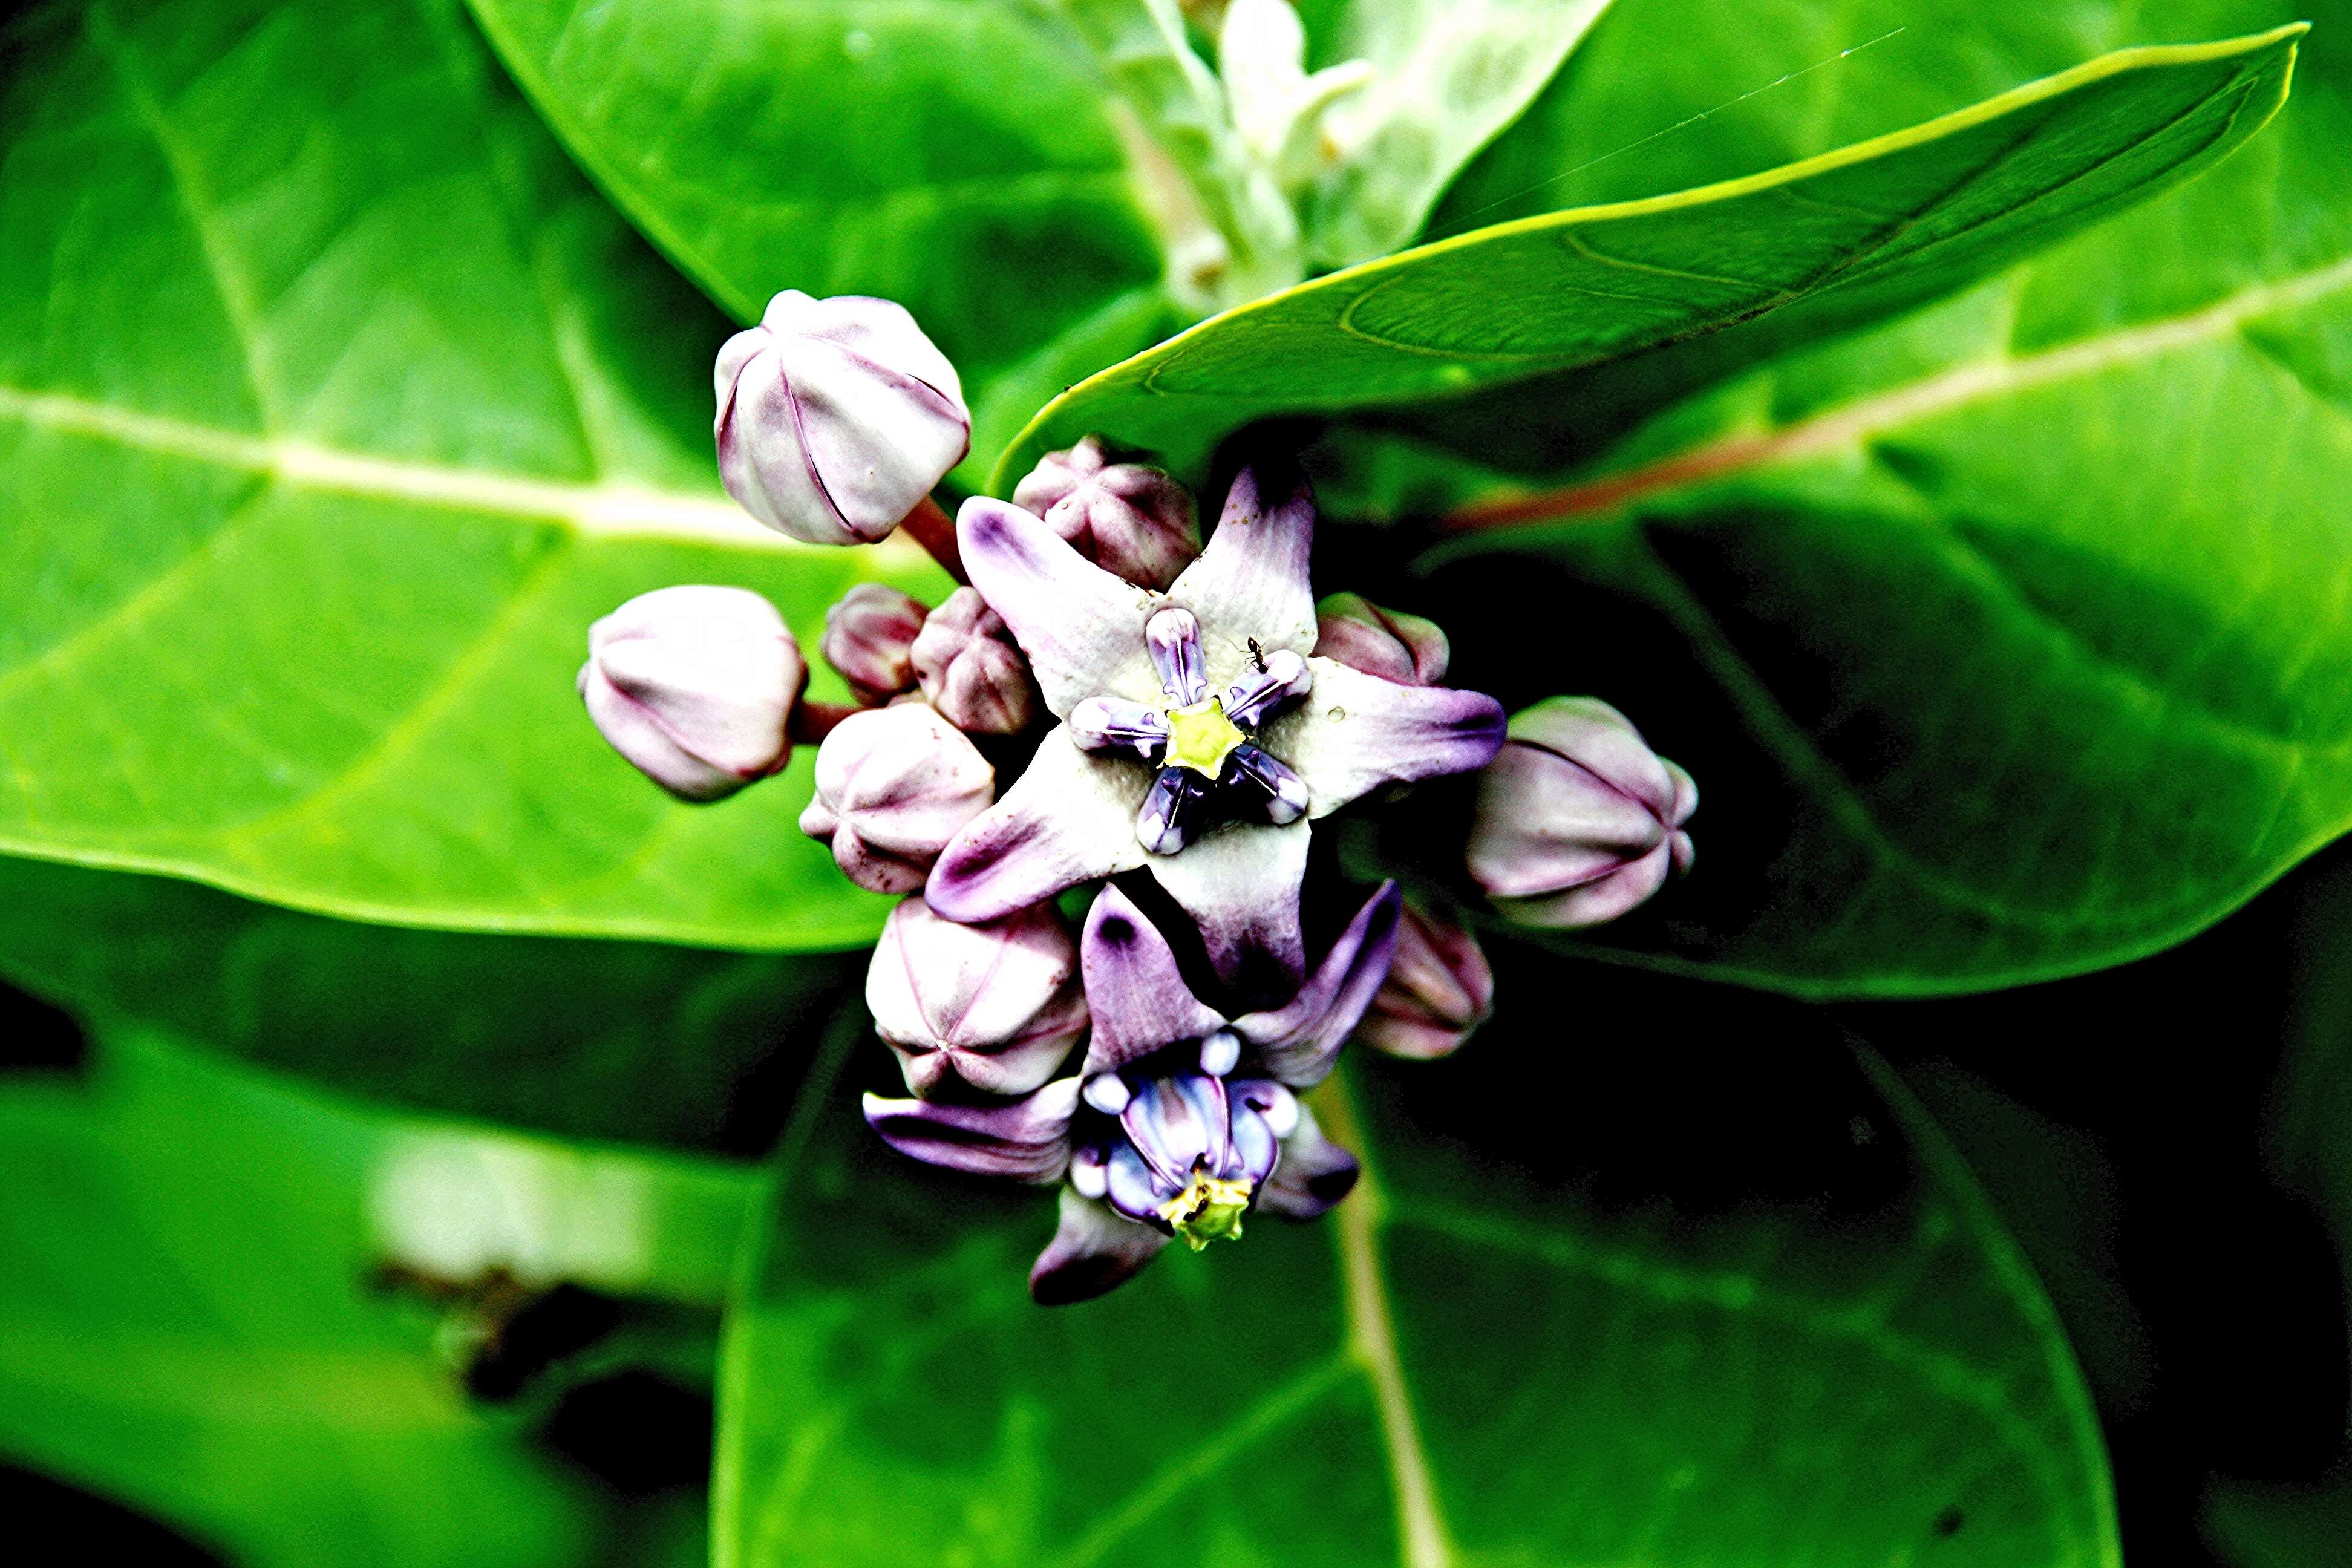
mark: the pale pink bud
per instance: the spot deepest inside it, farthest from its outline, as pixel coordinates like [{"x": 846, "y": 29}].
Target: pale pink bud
[
  {"x": 836, "y": 417},
  {"x": 695, "y": 687},
  {"x": 869, "y": 639},
  {"x": 893, "y": 785},
  {"x": 1393, "y": 646},
  {"x": 1439, "y": 988},
  {"x": 996, "y": 1006},
  {"x": 972, "y": 670},
  {"x": 1124, "y": 517},
  {"x": 1577, "y": 820}
]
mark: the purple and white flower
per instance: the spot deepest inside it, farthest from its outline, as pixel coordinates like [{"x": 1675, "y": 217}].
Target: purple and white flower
[
  {"x": 1201, "y": 734},
  {"x": 695, "y": 686},
  {"x": 894, "y": 785},
  {"x": 1181, "y": 1121},
  {"x": 1578, "y": 820},
  {"x": 836, "y": 417},
  {"x": 993, "y": 1007}
]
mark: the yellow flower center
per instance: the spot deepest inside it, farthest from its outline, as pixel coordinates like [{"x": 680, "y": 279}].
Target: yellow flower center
[
  {"x": 1208, "y": 1208},
  {"x": 1200, "y": 737}
]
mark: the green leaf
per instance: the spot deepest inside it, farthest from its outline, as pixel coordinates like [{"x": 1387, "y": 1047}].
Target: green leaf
[
  {"x": 613, "y": 1040},
  {"x": 2011, "y": 628},
  {"x": 186, "y": 1322},
  {"x": 333, "y": 407},
  {"x": 957, "y": 158},
  {"x": 1450, "y": 75},
  {"x": 1507, "y": 1346},
  {"x": 1844, "y": 238}
]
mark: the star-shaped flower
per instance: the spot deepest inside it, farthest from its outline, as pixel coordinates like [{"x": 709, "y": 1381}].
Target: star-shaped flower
[
  {"x": 1199, "y": 734},
  {"x": 1181, "y": 1121}
]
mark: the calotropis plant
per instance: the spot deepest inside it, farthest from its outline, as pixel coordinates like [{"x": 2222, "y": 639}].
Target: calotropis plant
[{"x": 1111, "y": 704}]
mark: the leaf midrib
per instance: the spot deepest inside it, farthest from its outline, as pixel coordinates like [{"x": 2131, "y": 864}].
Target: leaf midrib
[{"x": 600, "y": 510}]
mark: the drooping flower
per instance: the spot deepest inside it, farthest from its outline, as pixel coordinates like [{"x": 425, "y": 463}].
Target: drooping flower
[
  {"x": 1439, "y": 989},
  {"x": 1129, "y": 518},
  {"x": 1181, "y": 1121},
  {"x": 695, "y": 687},
  {"x": 893, "y": 787},
  {"x": 870, "y": 640},
  {"x": 1577, "y": 820},
  {"x": 836, "y": 417},
  {"x": 995, "y": 1007},
  {"x": 1199, "y": 734}
]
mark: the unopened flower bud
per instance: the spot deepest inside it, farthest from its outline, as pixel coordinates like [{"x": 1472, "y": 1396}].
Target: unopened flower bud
[
  {"x": 893, "y": 785},
  {"x": 1578, "y": 819},
  {"x": 997, "y": 1006},
  {"x": 972, "y": 670},
  {"x": 1395, "y": 646},
  {"x": 836, "y": 417},
  {"x": 1131, "y": 521},
  {"x": 695, "y": 687},
  {"x": 1439, "y": 988},
  {"x": 869, "y": 639}
]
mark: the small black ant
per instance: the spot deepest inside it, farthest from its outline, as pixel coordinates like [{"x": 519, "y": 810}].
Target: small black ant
[{"x": 1257, "y": 656}]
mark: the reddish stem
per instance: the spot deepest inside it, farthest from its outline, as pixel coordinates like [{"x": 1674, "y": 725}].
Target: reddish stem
[
  {"x": 934, "y": 529},
  {"x": 812, "y": 721}
]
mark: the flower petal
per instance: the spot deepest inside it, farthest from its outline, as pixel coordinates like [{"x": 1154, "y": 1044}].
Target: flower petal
[
  {"x": 1239, "y": 885},
  {"x": 1081, "y": 628},
  {"x": 1140, "y": 1001},
  {"x": 1172, "y": 638},
  {"x": 1093, "y": 1250},
  {"x": 1298, "y": 1041},
  {"x": 1356, "y": 733},
  {"x": 1251, "y": 582},
  {"x": 1603, "y": 898},
  {"x": 1069, "y": 818},
  {"x": 1026, "y": 1139},
  {"x": 1312, "y": 1173}
]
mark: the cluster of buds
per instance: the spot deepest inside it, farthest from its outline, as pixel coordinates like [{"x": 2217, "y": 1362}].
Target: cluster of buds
[{"x": 1109, "y": 714}]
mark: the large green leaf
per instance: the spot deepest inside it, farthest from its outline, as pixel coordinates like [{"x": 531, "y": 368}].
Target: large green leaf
[
  {"x": 333, "y": 407},
  {"x": 1530, "y": 1338},
  {"x": 186, "y": 1320},
  {"x": 959, "y": 158},
  {"x": 2005, "y": 642},
  {"x": 1842, "y": 238},
  {"x": 590, "y": 1039}
]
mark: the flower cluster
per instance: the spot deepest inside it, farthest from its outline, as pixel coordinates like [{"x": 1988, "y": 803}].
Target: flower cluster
[{"x": 1109, "y": 714}]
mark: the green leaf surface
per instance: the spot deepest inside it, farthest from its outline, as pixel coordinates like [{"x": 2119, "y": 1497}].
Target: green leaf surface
[
  {"x": 1852, "y": 235},
  {"x": 958, "y": 158},
  {"x": 2006, "y": 641},
  {"x": 187, "y": 1320},
  {"x": 589, "y": 1039},
  {"x": 333, "y": 407},
  {"x": 1531, "y": 1357},
  {"x": 1449, "y": 74}
]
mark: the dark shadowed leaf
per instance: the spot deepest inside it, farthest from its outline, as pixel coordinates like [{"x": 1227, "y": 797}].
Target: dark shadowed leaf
[
  {"x": 1773, "y": 1323},
  {"x": 589, "y": 1039}
]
